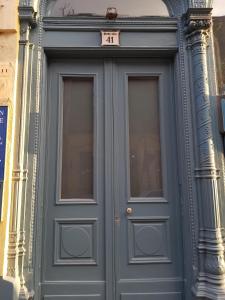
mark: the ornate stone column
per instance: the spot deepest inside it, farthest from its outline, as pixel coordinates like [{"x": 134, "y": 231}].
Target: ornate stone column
[
  {"x": 16, "y": 250},
  {"x": 211, "y": 275}
]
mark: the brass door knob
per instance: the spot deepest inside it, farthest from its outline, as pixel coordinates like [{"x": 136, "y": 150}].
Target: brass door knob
[{"x": 129, "y": 211}]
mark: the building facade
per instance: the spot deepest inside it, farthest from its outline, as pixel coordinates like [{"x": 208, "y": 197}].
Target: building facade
[
  {"x": 114, "y": 167},
  {"x": 9, "y": 37}
]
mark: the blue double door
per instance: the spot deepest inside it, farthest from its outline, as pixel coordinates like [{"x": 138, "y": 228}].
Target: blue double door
[{"x": 111, "y": 226}]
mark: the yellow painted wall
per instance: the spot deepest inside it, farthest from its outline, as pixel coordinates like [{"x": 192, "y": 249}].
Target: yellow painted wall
[{"x": 8, "y": 70}]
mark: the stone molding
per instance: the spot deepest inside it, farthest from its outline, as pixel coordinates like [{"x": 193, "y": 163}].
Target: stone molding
[
  {"x": 207, "y": 173},
  {"x": 19, "y": 175},
  {"x": 27, "y": 15}
]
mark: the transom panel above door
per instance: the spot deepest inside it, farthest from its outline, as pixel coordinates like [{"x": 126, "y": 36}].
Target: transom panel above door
[{"x": 112, "y": 221}]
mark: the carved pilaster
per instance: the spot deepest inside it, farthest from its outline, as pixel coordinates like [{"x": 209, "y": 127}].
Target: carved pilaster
[
  {"x": 16, "y": 251},
  {"x": 27, "y": 15},
  {"x": 211, "y": 275},
  {"x": 12, "y": 254}
]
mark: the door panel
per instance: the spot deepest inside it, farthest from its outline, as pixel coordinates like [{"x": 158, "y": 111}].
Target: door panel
[
  {"x": 152, "y": 296},
  {"x": 112, "y": 201},
  {"x": 148, "y": 241},
  {"x": 74, "y": 257}
]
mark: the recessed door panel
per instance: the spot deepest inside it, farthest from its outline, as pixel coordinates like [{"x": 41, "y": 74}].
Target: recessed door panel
[{"x": 111, "y": 196}]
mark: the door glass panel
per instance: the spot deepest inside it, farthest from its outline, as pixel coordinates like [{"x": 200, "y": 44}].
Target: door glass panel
[
  {"x": 63, "y": 8},
  {"x": 144, "y": 132},
  {"x": 77, "y": 153}
]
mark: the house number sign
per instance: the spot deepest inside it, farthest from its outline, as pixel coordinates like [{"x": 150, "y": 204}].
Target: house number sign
[{"x": 110, "y": 38}]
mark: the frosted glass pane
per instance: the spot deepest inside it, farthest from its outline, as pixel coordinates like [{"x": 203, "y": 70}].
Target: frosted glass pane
[
  {"x": 62, "y": 8},
  {"x": 144, "y": 132},
  {"x": 77, "y": 156}
]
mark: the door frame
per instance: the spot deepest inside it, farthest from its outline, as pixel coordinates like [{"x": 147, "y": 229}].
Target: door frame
[
  {"x": 110, "y": 279},
  {"x": 182, "y": 108}
]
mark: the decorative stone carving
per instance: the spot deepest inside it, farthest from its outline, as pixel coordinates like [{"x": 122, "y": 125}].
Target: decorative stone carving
[
  {"x": 189, "y": 201},
  {"x": 19, "y": 175},
  {"x": 215, "y": 264},
  {"x": 12, "y": 252},
  {"x": 211, "y": 278},
  {"x": 27, "y": 15},
  {"x": 208, "y": 173},
  {"x": 198, "y": 19},
  {"x": 197, "y": 34},
  {"x": 16, "y": 239},
  {"x": 194, "y": 25}
]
